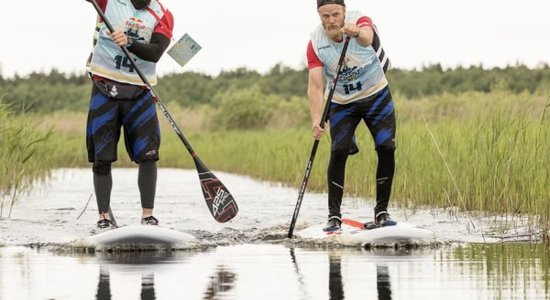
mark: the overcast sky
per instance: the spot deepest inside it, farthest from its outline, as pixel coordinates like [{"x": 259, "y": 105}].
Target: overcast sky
[{"x": 257, "y": 34}]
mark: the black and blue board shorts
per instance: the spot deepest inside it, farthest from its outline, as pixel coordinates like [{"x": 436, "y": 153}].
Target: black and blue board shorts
[
  {"x": 137, "y": 116},
  {"x": 378, "y": 113}
]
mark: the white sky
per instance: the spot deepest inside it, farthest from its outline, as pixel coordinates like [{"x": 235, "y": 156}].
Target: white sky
[{"x": 258, "y": 34}]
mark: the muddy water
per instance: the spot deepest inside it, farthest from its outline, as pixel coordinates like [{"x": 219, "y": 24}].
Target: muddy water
[{"x": 249, "y": 258}]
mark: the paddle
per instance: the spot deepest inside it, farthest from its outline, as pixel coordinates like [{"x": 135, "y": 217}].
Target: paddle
[
  {"x": 324, "y": 117},
  {"x": 219, "y": 200}
]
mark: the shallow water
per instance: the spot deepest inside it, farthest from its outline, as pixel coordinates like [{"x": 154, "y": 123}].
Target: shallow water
[
  {"x": 249, "y": 257},
  {"x": 267, "y": 271},
  {"x": 49, "y": 214}
]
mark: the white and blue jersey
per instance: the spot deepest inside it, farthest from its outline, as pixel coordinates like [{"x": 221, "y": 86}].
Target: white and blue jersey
[
  {"x": 362, "y": 74},
  {"x": 108, "y": 60}
]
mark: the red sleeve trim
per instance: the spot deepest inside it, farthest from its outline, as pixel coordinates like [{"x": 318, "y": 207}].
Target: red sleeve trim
[
  {"x": 364, "y": 22},
  {"x": 313, "y": 60},
  {"x": 165, "y": 25}
]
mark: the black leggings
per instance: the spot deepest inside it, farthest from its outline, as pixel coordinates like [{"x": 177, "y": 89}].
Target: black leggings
[
  {"x": 337, "y": 171},
  {"x": 103, "y": 183}
]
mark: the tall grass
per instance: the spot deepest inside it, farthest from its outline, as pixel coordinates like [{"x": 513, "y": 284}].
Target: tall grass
[
  {"x": 21, "y": 158},
  {"x": 472, "y": 152},
  {"x": 508, "y": 268},
  {"x": 494, "y": 146}
]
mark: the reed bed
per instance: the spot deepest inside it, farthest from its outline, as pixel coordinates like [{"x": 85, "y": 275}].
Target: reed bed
[
  {"x": 472, "y": 152},
  {"x": 22, "y": 160},
  {"x": 510, "y": 265}
]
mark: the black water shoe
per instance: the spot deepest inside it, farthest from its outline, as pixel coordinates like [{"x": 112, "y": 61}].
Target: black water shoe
[
  {"x": 334, "y": 224},
  {"x": 150, "y": 220},
  {"x": 383, "y": 219},
  {"x": 105, "y": 224}
]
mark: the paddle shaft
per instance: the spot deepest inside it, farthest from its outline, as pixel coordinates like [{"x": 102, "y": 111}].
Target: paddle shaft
[
  {"x": 223, "y": 207},
  {"x": 324, "y": 117}
]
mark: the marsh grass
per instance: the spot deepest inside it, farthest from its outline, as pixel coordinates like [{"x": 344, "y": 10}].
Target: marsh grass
[
  {"x": 471, "y": 152},
  {"x": 22, "y": 161},
  {"x": 510, "y": 265}
]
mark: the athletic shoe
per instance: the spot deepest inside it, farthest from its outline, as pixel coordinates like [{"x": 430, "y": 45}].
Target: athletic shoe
[
  {"x": 105, "y": 224},
  {"x": 383, "y": 219},
  {"x": 150, "y": 220},
  {"x": 334, "y": 224}
]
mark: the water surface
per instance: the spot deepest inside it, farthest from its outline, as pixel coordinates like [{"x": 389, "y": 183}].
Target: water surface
[
  {"x": 266, "y": 271},
  {"x": 49, "y": 214},
  {"x": 249, "y": 257}
]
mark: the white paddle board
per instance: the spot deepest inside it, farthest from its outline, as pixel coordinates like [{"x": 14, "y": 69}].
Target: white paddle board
[
  {"x": 137, "y": 235},
  {"x": 353, "y": 233}
]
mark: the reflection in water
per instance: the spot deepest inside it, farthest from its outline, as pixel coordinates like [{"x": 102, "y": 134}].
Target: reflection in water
[
  {"x": 509, "y": 268},
  {"x": 134, "y": 263},
  {"x": 504, "y": 271},
  {"x": 383, "y": 282},
  {"x": 300, "y": 276},
  {"x": 104, "y": 285},
  {"x": 219, "y": 283},
  {"x": 336, "y": 282},
  {"x": 335, "y": 285},
  {"x": 148, "y": 286}
]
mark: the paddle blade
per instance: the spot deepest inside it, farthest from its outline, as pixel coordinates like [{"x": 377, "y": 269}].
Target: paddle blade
[{"x": 219, "y": 200}]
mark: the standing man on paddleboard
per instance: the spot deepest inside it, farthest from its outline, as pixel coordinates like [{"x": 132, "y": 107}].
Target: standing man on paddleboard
[
  {"x": 120, "y": 99},
  {"x": 361, "y": 93}
]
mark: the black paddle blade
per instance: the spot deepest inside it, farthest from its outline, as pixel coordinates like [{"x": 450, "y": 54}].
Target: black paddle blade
[{"x": 221, "y": 204}]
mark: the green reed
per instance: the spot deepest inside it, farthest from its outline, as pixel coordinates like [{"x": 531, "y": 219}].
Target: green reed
[
  {"x": 21, "y": 158},
  {"x": 495, "y": 153},
  {"x": 471, "y": 152},
  {"x": 507, "y": 266}
]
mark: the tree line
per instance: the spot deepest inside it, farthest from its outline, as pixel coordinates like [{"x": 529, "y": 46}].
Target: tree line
[{"x": 47, "y": 92}]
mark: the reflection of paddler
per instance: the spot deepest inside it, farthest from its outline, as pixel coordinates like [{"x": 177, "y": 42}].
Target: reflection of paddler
[
  {"x": 222, "y": 281},
  {"x": 383, "y": 284},
  {"x": 104, "y": 285},
  {"x": 335, "y": 285}
]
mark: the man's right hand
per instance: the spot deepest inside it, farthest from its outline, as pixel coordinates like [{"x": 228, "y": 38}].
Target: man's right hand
[
  {"x": 119, "y": 38},
  {"x": 318, "y": 131}
]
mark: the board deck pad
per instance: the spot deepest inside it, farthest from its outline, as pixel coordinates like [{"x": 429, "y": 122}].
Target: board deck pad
[
  {"x": 140, "y": 235},
  {"x": 353, "y": 232}
]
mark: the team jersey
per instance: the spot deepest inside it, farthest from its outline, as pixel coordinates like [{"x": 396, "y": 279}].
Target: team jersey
[
  {"x": 362, "y": 74},
  {"x": 108, "y": 60}
]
